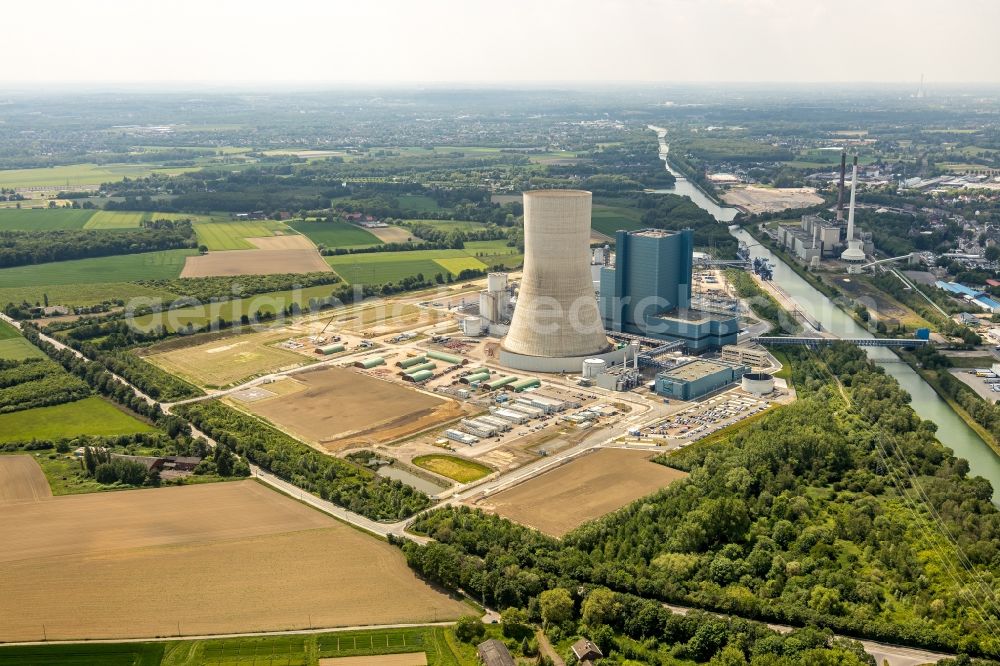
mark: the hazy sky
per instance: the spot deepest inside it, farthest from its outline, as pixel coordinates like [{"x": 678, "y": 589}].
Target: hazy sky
[{"x": 384, "y": 41}]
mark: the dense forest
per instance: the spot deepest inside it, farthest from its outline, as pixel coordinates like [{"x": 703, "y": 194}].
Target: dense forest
[
  {"x": 841, "y": 511},
  {"x": 18, "y": 248},
  {"x": 331, "y": 478}
]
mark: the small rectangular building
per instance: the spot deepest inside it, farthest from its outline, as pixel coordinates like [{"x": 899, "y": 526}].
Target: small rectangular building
[
  {"x": 694, "y": 379},
  {"x": 753, "y": 355}
]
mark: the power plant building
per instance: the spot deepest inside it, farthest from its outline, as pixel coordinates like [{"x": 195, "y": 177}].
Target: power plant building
[
  {"x": 648, "y": 291},
  {"x": 694, "y": 379},
  {"x": 556, "y": 324}
]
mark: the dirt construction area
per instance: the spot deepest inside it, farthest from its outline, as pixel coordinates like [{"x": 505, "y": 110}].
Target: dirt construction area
[
  {"x": 22, "y": 480},
  {"x": 192, "y": 560},
  {"x": 341, "y": 407},
  {"x": 255, "y": 262},
  {"x": 769, "y": 199},
  {"x": 586, "y": 488}
]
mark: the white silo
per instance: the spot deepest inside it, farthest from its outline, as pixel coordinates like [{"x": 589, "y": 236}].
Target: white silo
[
  {"x": 593, "y": 367},
  {"x": 496, "y": 282},
  {"x": 556, "y": 323}
]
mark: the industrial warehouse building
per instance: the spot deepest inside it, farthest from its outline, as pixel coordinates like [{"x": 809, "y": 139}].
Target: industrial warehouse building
[
  {"x": 755, "y": 355},
  {"x": 694, "y": 379},
  {"x": 648, "y": 291}
]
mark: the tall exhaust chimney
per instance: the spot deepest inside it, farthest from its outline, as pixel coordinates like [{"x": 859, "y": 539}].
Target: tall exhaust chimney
[
  {"x": 850, "y": 211},
  {"x": 840, "y": 191}
]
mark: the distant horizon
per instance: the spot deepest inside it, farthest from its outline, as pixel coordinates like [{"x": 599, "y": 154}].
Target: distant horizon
[{"x": 319, "y": 42}]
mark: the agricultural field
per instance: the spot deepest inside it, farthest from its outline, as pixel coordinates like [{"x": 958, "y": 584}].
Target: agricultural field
[
  {"x": 113, "y": 219},
  {"x": 340, "y": 407},
  {"x": 199, "y": 315},
  {"x": 451, "y": 225},
  {"x": 232, "y": 234},
  {"x": 13, "y": 347},
  {"x": 227, "y": 360},
  {"x": 177, "y": 561},
  {"x": 559, "y": 501},
  {"x": 335, "y": 234},
  {"x": 22, "y": 480},
  {"x": 421, "y": 203},
  {"x": 409, "y": 646},
  {"x": 76, "y": 175},
  {"x": 90, "y": 416},
  {"x": 452, "y": 467},
  {"x": 80, "y": 294},
  {"x": 164, "y": 264},
  {"x": 609, "y": 219},
  {"x": 257, "y": 262},
  {"x": 43, "y": 219},
  {"x": 383, "y": 267}
]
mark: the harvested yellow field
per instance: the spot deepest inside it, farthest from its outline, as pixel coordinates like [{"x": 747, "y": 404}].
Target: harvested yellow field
[
  {"x": 226, "y": 361},
  {"x": 22, "y": 480},
  {"x": 255, "y": 262},
  {"x": 205, "y": 559},
  {"x": 584, "y": 489},
  {"x": 286, "y": 242},
  {"x": 392, "y": 234}
]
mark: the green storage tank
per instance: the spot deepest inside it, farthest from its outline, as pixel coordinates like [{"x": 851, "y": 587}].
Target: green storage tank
[
  {"x": 410, "y": 362},
  {"x": 419, "y": 376},
  {"x": 330, "y": 349},
  {"x": 369, "y": 363},
  {"x": 524, "y": 384},
  {"x": 447, "y": 358},
  {"x": 476, "y": 377},
  {"x": 498, "y": 383}
]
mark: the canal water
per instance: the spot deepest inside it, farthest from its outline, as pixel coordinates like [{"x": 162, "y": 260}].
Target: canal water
[{"x": 952, "y": 430}]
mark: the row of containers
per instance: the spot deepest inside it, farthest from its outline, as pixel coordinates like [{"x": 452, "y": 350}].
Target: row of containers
[
  {"x": 513, "y": 412},
  {"x": 485, "y": 380}
]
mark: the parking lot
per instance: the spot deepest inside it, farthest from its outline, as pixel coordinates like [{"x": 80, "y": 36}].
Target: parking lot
[{"x": 701, "y": 419}]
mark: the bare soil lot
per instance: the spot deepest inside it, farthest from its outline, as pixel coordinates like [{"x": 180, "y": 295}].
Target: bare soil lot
[
  {"x": 222, "y": 362},
  {"x": 215, "y": 558},
  {"x": 256, "y": 262},
  {"x": 584, "y": 489},
  {"x": 341, "y": 407},
  {"x": 770, "y": 199},
  {"x": 392, "y": 234},
  {"x": 22, "y": 480}
]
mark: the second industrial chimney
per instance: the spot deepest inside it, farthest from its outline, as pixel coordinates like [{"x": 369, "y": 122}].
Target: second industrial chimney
[
  {"x": 840, "y": 190},
  {"x": 556, "y": 321},
  {"x": 855, "y": 250}
]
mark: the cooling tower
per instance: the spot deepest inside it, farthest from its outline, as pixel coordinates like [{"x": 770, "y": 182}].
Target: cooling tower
[{"x": 556, "y": 323}]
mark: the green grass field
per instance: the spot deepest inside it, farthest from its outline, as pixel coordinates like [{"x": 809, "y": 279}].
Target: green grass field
[
  {"x": 43, "y": 219},
  {"x": 74, "y": 175},
  {"x": 449, "y": 225},
  {"x": 90, "y": 416},
  {"x": 13, "y": 347},
  {"x": 164, "y": 264},
  {"x": 383, "y": 267},
  {"x": 609, "y": 219},
  {"x": 120, "y": 654},
  {"x": 199, "y": 315},
  {"x": 453, "y": 467},
  {"x": 232, "y": 234},
  {"x": 80, "y": 294},
  {"x": 335, "y": 234},
  {"x": 438, "y": 643},
  {"x": 418, "y": 202},
  {"x": 113, "y": 219}
]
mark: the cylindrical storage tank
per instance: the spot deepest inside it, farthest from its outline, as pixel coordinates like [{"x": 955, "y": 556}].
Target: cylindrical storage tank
[
  {"x": 447, "y": 358},
  {"x": 497, "y": 383},
  {"x": 369, "y": 363},
  {"x": 472, "y": 326},
  {"x": 429, "y": 365},
  {"x": 496, "y": 282},
  {"x": 489, "y": 306},
  {"x": 556, "y": 314},
  {"x": 598, "y": 256},
  {"x": 593, "y": 367},
  {"x": 330, "y": 349},
  {"x": 757, "y": 383},
  {"x": 419, "y": 376},
  {"x": 477, "y": 377},
  {"x": 410, "y": 362},
  {"x": 524, "y": 384}
]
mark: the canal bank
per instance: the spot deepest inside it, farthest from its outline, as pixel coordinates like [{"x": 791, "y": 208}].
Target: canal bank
[{"x": 952, "y": 431}]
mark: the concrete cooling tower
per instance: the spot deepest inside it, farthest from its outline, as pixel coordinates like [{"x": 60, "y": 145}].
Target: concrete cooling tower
[{"x": 556, "y": 323}]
